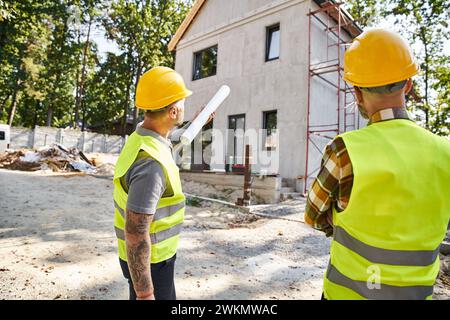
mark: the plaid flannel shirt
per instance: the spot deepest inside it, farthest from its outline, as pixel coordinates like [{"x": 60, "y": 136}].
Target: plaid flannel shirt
[{"x": 333, "y": 185}]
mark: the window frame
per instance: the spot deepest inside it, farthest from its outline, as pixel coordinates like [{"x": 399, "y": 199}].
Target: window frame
[
  {"x": 194, "y": 63},
  {"x": 269, "y": 31},
  {"x": 235, "y": 116},
  {"x": 265, "y": 114}
]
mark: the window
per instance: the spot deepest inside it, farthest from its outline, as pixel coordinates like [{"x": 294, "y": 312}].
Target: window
[
  {"x": 270, "y": 127},
  {"x": 205, "y": 63},
  {"x": 236, "y": 144},
  {"x": 273, "y": 42},
  {"x": 201, "y": 159},
  {"x": 2, "y": 135}
]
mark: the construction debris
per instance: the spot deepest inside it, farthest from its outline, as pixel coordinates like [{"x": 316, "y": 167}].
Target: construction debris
[
  {"x": 56, "y": 158},
  {"x": 12, "y": 160}
]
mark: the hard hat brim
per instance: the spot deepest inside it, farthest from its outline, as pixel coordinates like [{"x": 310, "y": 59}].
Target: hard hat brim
[{"x": 409, "y": 72}]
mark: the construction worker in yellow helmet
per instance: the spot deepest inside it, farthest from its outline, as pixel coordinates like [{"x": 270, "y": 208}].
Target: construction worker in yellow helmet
[
  {"x": 383, "y": 192},
  {"x": 148, "y": 197}
]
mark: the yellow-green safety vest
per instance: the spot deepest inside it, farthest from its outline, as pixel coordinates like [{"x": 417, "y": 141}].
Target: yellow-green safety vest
[
  {"x": 386, "y": 242},
  {"x": 169, "y": 216}
]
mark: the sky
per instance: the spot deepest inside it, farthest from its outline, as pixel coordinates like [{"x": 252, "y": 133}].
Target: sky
[
  {"x": 105, "y": 45},
  {"x": 390, "y": 25}
]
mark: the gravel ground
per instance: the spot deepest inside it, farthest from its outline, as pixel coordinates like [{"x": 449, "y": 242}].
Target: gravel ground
[{"x": 57, "y": 242}]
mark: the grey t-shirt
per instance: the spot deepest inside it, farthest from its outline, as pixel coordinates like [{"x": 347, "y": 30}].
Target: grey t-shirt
[{"x": 146, "y": 181}]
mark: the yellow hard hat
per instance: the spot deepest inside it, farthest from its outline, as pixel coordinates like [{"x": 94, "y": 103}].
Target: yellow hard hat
[
  {"x": 379, "y": 57},
  {"x": 159, "y": 88}
]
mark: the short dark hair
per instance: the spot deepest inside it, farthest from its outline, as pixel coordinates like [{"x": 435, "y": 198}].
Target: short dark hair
[
  {"x": 389, "y": 88},
  {"x": 158, "y": 112}
]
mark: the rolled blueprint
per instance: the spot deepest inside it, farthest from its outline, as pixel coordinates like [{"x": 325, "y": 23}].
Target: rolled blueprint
[{"x": 197, "y": 125}]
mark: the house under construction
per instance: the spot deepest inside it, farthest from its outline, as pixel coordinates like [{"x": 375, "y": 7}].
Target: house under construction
[{"x": 283, "y": 60}]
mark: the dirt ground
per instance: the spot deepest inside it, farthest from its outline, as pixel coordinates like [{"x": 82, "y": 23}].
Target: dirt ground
[{"x": 57, "y": 242}]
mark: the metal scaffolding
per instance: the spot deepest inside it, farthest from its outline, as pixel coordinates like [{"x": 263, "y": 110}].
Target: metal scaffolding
[{"x": 332, "y": 17}]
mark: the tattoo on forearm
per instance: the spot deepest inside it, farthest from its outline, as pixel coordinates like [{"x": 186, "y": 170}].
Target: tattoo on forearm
[{"x": 138, "y": 250}]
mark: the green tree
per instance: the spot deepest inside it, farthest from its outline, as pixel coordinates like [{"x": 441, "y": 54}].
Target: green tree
[
  {"x": 51, "y": 71},
  {"x": 6, "y": 10},
  {"x": 21, "y": 52},
  {"x": 86, "y": 17},
  {"x": 142, "y": 30},
  {"x": 441, "y": 114},
  {"x": 105, "y": 92},
  {"x": 365, "y": 12},
  {"x": 425, "y": 22}
]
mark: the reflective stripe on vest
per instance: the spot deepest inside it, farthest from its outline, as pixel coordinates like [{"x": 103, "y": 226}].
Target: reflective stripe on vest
[
  {"x": 384, "y": 292},
  {"x": 116, "y": 205},
  {"x": 160, "y": 213},
  {"x": 384, "y": 256},
  {"x": 155, "y": 237}
]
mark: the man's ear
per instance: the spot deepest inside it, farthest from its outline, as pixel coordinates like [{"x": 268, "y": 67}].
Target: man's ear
[
  {"x": 408, "y": 87},
  {"x": 359, "y": 95},
  {"x": 173, "y": 113}
]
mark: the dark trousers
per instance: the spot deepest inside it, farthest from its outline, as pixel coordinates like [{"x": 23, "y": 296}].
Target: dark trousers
[{"x": 162, "y": 277}]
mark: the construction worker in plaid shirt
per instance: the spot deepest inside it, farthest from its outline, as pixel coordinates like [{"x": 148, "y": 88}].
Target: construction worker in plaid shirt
[{"x": 383, "y": 192}]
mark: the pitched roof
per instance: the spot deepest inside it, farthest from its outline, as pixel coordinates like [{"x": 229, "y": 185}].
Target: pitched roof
[
  {"x": 350, "y": 25},
  {"x": 185, "y": 24}
]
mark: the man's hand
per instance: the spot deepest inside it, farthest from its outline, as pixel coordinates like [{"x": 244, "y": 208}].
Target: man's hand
[
  {"x": 138, "y": 245},
  {"x": 211, "y": 117}
]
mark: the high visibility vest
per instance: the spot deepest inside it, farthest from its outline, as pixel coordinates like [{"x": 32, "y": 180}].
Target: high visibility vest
[
  {"x": 169, "y": 216},
  {"x": 386, "y": 242}
]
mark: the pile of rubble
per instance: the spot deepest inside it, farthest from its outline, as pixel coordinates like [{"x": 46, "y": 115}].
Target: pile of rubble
[{"x": 56, "y": 158}]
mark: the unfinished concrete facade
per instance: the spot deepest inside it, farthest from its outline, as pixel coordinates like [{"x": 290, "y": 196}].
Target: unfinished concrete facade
[{"x": 240, "y": 29}]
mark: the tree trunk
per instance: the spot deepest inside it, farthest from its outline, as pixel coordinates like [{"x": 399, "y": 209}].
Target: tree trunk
[
  {"x": 36, "y": 110},
  {"x": 77, "y": 88},
  {"x": 136, "y": 110},
  {"x": 12, "y": 110},
  {"x": 127, "y": 93},
  {"x": 425, "y": 43},
  {"x": 83, "y": 110},
  {"x": 2, "y": 106},
  {"x": 79, "y": 100},
  {"x": 17, "y": 87},
  {"x": 125, "y": 109},
  {"x": 49, "y": 116},
  {"x": 56, "y": 83}
]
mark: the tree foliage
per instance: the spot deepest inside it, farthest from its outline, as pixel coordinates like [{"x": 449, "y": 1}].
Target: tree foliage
[
  {"x": 425, "y": 24},
  {"x": 51, "y": 71},
  {"x": 365, "y": 12}
]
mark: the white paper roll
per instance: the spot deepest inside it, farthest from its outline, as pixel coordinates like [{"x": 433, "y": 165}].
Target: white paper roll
[{"x": 188, "y": 136}]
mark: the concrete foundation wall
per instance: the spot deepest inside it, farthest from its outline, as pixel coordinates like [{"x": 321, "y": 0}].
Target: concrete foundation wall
[{"x": 267, "y": 188}]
